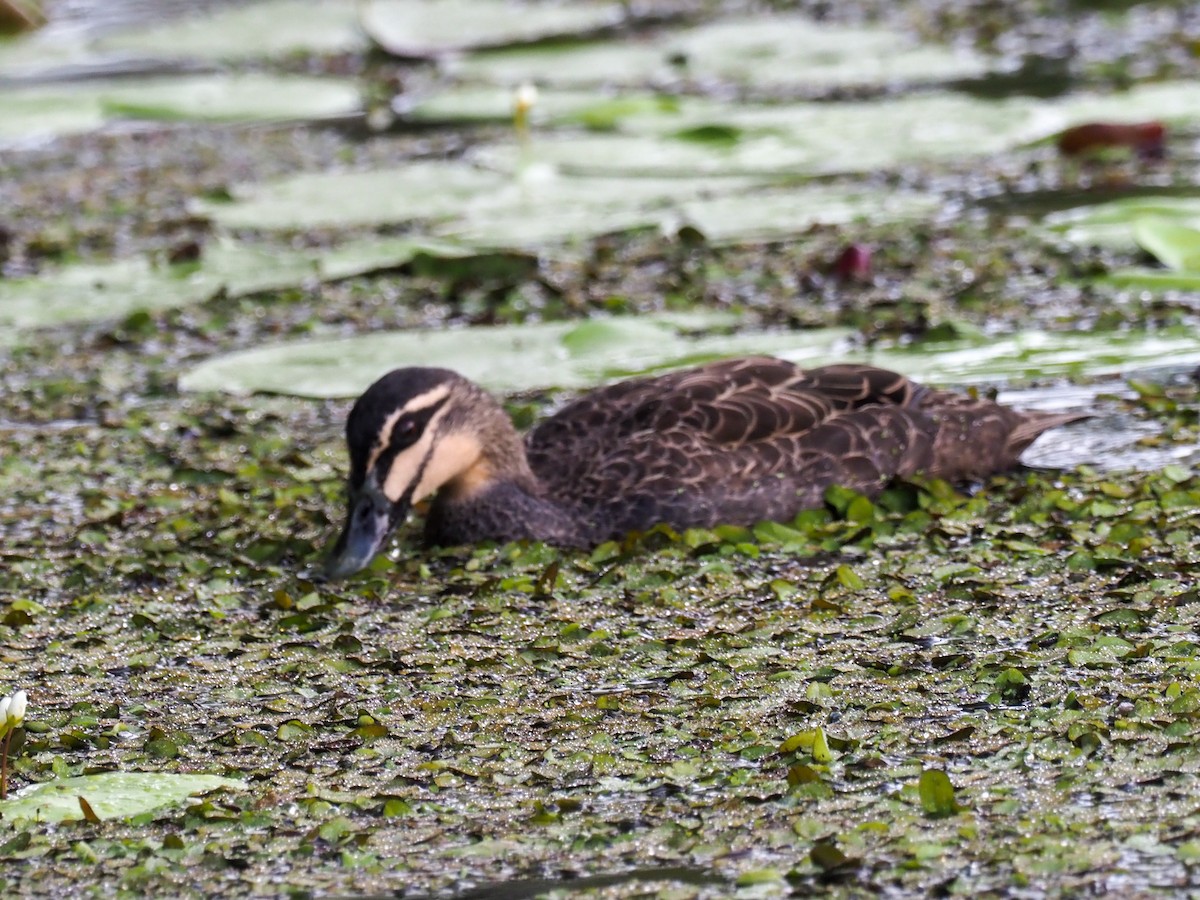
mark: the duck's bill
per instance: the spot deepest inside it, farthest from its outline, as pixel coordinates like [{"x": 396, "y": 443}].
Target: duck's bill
[{"x": 368, "y": 525}]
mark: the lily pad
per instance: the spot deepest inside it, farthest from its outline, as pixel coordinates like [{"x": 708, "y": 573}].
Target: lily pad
[
  {"x": 246, "y": 31},
  {"x": 488, "y": 103},
  {"x": 111, "y": 290},
  {"x": 1112, "y": 224},
  {"x": 425, "y": 28},
  {"x": 37, "y": 52},
  {"x": 1153, "y": 279},
  {"x": 532, "y": 205},
  {"x": 762, "y": 52},
  {"x": 536, "y": 205},
  {"x": 793, "y": 140},
  {"x": 508, "y": 358},
  {"x": 575, "y": 355},
  {"x": 420, "y": 190},
  {"x": 110, "y": 795},
  {"x": 44, "y": 111},
  {"x": 1169, "y": 100},
  {"x": 1175, "y": 246},
  {"x": 779, "y": 212}
]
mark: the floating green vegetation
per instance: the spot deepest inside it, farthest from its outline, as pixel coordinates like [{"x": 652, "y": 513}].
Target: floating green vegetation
[
  {"x": 985, "y": 690},
  {"x": 108, "y": 795},
  {"x": 1168, "y": 228},
  {"x": 430, "y": 29},
  {"x": 83, "y": 292},
  {"x": 571, "y": 354},
  {"x": 44, "y": 111},
  {"x": 539, "y": 205},
  {"x": 761, "y": 53},
  {"x": 269, "y": 29},
  {"x": 1113, "y": 224}
]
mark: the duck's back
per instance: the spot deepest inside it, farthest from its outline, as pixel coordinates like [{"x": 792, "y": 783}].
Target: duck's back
[{"x": 745, "y": 440}]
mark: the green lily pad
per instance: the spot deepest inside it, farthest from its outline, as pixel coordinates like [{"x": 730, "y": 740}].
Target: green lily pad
[
  {"x": 482, "y": 206},
  {"x": 247, "y": 97},
  {"x": 419, "y": 190},
  {"x": 43, "y": 111},
  {"x": 762, "y": 52},
  {"x": 111, "y": 290},
  {"x": 575, "y": 355},
  {"x": 511, "y": 358},
  {"x": 1175, "y": 246},
  {"x": 793, "y": 140},
  {"x": 246, "y": 31},
  {"x": 1167, "y": 100},
  {"x": 473, "y": 103},
  {"x": 1153, "y": 279},
  {"x": 537, "y": 205},
  {"x": 111, "y": 795},
  {"x": 36, "y": 52},
  {"x": 1112, "y": 224},
  {"x": 776, "y": 213},
  {"x": 424, "y": 28}
]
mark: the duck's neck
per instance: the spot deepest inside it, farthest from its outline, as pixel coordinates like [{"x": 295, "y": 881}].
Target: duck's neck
[
  {"x": 503, "y": 509},
  {"x": 497, "y": 497}
]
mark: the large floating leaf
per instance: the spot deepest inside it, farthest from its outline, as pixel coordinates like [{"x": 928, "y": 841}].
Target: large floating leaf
[
  {"x": 537, "y": 205},
  {"x": 418, "y": 190},
  {"x": 489, "y": 103},
  {"x": 39, "y": 51},
  {"x": 247, "y": 31},
  {"x": 1154, "y": 280},
  {"x": 419, "y": 28},
  {"x": 246, "y": 97},
  {"x": 776, "y": 213},
  {"x": 1112, "y": 224},
  {"x": 795, "y": 139},
  {"x": 1167, "y": 227},
  {"x": 1170, "y": 100},
  {"x": 564, "y": 354},
  {"x": 764, "y": 53},
  {"x": 1175, "y": 246},
  {"x": 654, "y": 134},
  {"x": 581, "y": 354},
  {"x": 110, "y": 795},
  {"x": 534, "y": 206},
  {"x": 49, "y": 110},
  {"x": 110, "y": 290}
]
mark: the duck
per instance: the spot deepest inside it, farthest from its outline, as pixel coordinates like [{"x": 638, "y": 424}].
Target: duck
[{"x": 734, "y": 442}]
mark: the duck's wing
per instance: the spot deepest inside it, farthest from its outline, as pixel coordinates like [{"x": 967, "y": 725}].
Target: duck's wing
[
  {"x": 734, "y": 441},
  {"x": 740, "y": 441},
  {"x": 730, "y": 402}
]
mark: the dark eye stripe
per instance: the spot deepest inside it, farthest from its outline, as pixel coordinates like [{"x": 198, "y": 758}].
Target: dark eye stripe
[{"x": 406, "y": 432}]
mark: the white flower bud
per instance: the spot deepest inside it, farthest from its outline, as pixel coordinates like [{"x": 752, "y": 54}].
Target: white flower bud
[
  {"x": 16, "y": 709},
  {"x": 525, "y": 97}
]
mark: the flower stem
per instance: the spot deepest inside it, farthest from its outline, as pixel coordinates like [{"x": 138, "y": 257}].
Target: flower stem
[{"x": 4, "y": 766}]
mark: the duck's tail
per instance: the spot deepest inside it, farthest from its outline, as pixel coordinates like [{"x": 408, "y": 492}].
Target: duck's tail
[{"x": 1033, "y": 423}]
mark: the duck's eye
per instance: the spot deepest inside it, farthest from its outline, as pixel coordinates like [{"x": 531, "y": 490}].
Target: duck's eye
[{"x": 404, "y": 433}]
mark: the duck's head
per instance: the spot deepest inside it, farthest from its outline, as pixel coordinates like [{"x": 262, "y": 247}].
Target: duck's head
[{"x": 416, "y": 432}]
